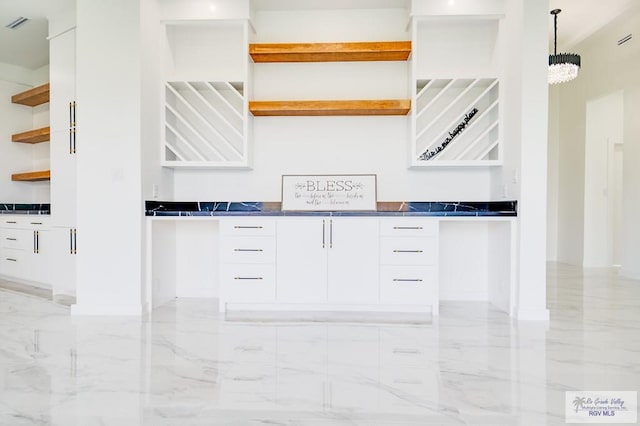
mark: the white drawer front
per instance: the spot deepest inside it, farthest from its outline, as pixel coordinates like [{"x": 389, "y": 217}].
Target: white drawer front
[
  {"x": 248, "y": 249},
  {"x": 408, "y": 251},
  {"x": 408, "y": 285},
  {"x": 247, "y": 283},
  {"x": 408, "y": 227},
  {"x": 12, "y": 262},
  {"x": 247, "y": 226},
  {"x": 12, "y": 222},
  {"x": 37, "y": 222},
  {"x": 21, "y": 239}
]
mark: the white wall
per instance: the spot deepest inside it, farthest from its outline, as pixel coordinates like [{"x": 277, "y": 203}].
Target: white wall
[
  {"x": 606, "y": 68},
  {"x": 110, "y": 206},
  {"x": 553, "y": 171},
  {"x": 325, "y": 145}
]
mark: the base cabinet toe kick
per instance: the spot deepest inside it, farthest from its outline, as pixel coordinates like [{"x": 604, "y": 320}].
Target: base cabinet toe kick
[{"x": 328, "y": 263}]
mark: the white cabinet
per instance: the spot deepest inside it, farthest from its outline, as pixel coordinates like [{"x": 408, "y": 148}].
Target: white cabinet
[
  {"x": 409, "y": 262},
  {"x": 327, "y": 260},
  {"x": 352, "y": 263},
  {"x": 63, "y": 243},
  {"x": 247, "y": 261},
  {"x": 63, "y": 129},
  {"x": 25, "y": 252}
]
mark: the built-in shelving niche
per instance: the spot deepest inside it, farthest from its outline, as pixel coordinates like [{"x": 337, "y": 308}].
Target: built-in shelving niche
[
  {"x": 204, "y": 124},
  {"x": 457, "y": 122}
]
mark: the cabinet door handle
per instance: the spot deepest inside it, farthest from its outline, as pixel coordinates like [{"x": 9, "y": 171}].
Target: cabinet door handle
[
  {"x": 70, "y": 114},
  {"x": 323, "y": 232},
  {"x": 407, "y": 251},
  {"x": 11, "y": 221},
  {"x": 407, "y": 227},
  {"x": 247, "y": 278},
  {"x": 73, "y": 138},
  {"x": 242, "y": 249},
  {"x": 330, "y": 233},
  {"x": 73, "y": 116},
  {"x": 12, "y": 239},
  {"x": 408, "y": 280},
  {"x": 37, "y": 241},
  {"x": 72, "y": 241},
  {"x": 11, "y": 260},
  {"x": 35, "y": 244},
  {"x": 36, "y": 223},
  {"x": 405, "y": 351},
  {"x": 247, "y": 227}
]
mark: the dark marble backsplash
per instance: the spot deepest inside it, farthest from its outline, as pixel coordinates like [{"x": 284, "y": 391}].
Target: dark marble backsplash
[
  {"x": 255, "y": 208},
  {"x": 35, "y": 209}
]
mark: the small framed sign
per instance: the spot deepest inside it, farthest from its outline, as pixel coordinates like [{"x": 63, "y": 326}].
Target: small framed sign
[{"x": 329, "y": 192}]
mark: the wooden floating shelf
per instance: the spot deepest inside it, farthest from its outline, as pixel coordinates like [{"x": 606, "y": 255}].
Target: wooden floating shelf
[
  {"x": 318, "y": 108},
  {"x": 32, "y": 136},
  {"x": 38, "y": 176},
  {"x": 32, "y": 97},
  {"x": 331, "y": 52}
]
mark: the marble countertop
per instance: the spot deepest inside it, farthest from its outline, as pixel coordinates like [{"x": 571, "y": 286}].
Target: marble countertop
[
  {"x": 259, "y": 208},
  {"x": 30, "y": 209}
]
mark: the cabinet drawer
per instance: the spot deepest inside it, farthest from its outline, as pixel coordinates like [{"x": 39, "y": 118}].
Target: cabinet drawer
[
  {"x": 247, "y": 283},
  {"x": 21, "y": 239},
  {"x": 12, "y": 262},
  {"x": 408, "y": 285},
  {"x": 248, "y": 249},
  {"x": 408, "y": 251},
  {"x": 12, "y": 222},
  {"x": 37, "y": 222},
  {"x": 247, "y": 226},
  {"x": 408, "y": 227}
]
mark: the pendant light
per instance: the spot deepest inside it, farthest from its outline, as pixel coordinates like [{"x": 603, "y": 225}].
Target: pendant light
[{"x": 563, "y": 67}]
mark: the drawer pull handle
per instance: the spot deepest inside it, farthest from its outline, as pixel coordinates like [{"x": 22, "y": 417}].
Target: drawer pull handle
[
  {"x": 247, "y": 227},
  {"x": 36, "y": 223},
  {"x": 405, "y": 351},
  {"x": 408, "y": 280},
  {"x": 247, "y": 278},
  {"x": 12, "y": 260},
  {"x": 11, "y": 221},
  {"x": 407, "y": 251},
  {"x": 12, "y": 239},
  {"x": 249, "y": 348},
  {"x": 407, "y": 382},
  {"x": 248, "y": 379},
  {"x": 408, "y": 227},
  {"x": 241, "y": 249}
]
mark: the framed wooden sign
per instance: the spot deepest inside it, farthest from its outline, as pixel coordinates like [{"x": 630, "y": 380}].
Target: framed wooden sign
[{"x": 329, "y": 192}]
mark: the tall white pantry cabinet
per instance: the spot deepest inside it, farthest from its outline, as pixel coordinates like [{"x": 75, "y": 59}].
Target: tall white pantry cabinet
[{"x": 63, "y": 159}]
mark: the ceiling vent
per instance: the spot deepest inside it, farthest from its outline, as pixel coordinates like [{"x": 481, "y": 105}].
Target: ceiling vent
[
  {"x": 625, "y": 39},
  {"x": 17, "y": 22}
]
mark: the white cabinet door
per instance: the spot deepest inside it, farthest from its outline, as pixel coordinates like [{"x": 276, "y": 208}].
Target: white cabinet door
[
  {"x": 62, "y": 117},
  {"x": 353, "y": 260},
  {"x": 41, "y": 257},
  {"x": 302, "y": 260},
  {"x": 62, "y": 80},
  {"x": 63, "y": 270}
]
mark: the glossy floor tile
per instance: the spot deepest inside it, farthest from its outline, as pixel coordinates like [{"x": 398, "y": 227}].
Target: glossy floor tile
[{"x": 187, "y": 366}]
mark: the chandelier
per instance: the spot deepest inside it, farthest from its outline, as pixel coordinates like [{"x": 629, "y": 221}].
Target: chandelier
[{"x": 563, "y": 67}]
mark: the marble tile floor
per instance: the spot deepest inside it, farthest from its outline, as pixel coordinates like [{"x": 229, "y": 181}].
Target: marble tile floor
[{"x": 186, "y": 366}]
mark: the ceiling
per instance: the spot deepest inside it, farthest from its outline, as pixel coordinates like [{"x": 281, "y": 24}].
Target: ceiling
[
  {"x": 581, "y": 18},
  {"x": 28, "y": 46}
]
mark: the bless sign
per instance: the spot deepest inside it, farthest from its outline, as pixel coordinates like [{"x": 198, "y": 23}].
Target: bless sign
[{"x": 329, "y": 192}]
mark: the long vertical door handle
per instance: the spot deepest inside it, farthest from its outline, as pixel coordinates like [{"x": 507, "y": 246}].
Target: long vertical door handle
[
  {"x": 37, "y": 241},
  {"x": 35, "y": 244},
  {"x": 323, "y": 226},
  {"x": 70, "y": 114},
  {"x": 331, "y": 233},
  {"x": 70, "y": 241},
  {"x": 73, "y": 117},
  {"x": 75, "y": 241}
]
